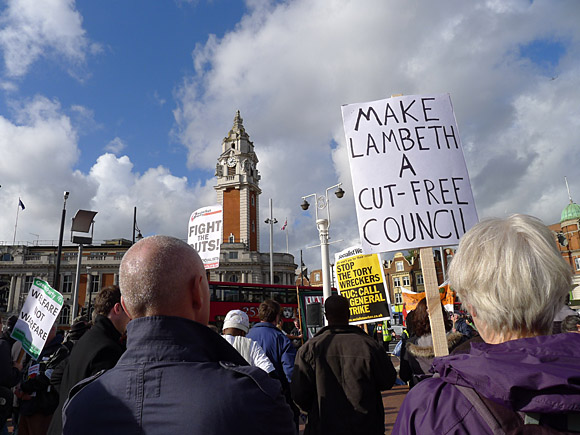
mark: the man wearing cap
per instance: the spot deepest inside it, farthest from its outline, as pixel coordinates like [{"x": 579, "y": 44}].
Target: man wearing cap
[
  {"x": 177, "y": 376},
  {"x": 98, "y": 349},
  {"x": 236, "y": 326}
]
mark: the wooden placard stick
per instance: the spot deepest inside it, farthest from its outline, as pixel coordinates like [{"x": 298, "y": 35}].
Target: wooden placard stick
[
  {"x": 433, "y": 302},
  {"x": 20, "y": 356}
]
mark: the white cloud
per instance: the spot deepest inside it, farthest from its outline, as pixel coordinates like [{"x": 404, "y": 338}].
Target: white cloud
[
  {"x": 39, "y": 154},
  {"x": 116, "y": 145},
  {"x": 290, "y": 66},
  {"x": 35, "y": 28}
]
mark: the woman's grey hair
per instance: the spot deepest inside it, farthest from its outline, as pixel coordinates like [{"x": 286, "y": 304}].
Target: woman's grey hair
[{"x": 512, "y": 275}]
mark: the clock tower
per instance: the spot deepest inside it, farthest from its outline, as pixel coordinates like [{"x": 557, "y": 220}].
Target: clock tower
[{"x": 237, "y": 187}]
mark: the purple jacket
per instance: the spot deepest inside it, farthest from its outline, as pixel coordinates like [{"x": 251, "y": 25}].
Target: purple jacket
[{"x": 538, "y": 374}]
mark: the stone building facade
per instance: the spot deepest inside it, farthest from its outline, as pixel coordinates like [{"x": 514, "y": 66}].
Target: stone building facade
[{"x": 20, "y": 264}]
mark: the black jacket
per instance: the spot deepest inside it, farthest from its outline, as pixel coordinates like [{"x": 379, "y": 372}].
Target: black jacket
[
  {"x": 418, "y": 354},
  {"x": 9, "y": 375},
  {"x": 98, "y": 349},
  {"x": 179, "y": 377},
  {"x": 338, "y": 379},
  {"x": 41, "y": 398}
]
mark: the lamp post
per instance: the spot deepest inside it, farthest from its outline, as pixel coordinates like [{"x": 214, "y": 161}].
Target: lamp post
[
  {"x": 271, "y": 221},
  {"x": 135, "y": 227},
  {"x": 83, "y": 222},
  {"x": 56, "y": 281},
  {"x": 322, "y": 202}
]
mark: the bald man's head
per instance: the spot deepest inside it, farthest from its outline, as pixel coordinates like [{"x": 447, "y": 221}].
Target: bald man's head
[{"x": 162, "y": 275}]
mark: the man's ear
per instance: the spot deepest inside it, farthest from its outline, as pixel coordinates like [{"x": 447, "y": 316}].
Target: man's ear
[
  {"x": 125, "y": 308},
  {"x": 197, "y": 294},
  {"x": 199, "y": 299}
]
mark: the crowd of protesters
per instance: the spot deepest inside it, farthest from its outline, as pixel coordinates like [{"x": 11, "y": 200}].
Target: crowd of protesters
[{"x": 149, "y": 364}]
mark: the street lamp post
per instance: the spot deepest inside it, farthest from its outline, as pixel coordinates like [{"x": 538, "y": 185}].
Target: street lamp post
[
  {"x": 271, "y": 221},
  {"x": 322, "y": 202},
  {"x": 135, "y": 227},
  {"x": 83, "y": 222},
  {"x": 56, "y": 281}
]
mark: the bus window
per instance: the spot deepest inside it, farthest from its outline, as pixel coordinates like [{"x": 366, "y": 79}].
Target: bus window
[
  {"x": 252, "y": 296},
  {"x": 228, "y": 295},
  {"x": 278, "y": 296}
]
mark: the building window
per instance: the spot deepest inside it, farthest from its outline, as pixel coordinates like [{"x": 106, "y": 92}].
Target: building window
[
  {"x": 420, "y": 279},
  {"x": 7, "y": 257},
  {"x": 399, "y": 266},
  {"x": 28, "y": 280},
  {"x": 94, "y": 283},
  {"x": 231, "y": 170},
  {"x": 253, "y": 226},
  {"x": 233, "y": 278},
  {"x": 397, "y": 282},
  {"x": 67, "y": 283},
  {"x": 64, "y": 316},
  {"x": 406, "y": 280},
  {"x": 316, "y": 277},
  {"x": 276, "y": 279},
  {"x": 398, "y": 298},
  {"x": 98, "y": 256},
  {"x": 232, "y": 238},
  {"x": 70, "y": 256},
  {"x": 233, "y": 255},
  {"x": 253, "y": 197},
  {"x": 577, "y": 262}
]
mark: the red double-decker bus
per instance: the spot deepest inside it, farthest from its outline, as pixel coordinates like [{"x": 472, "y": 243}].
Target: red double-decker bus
[{"x": 226, "y": 296}]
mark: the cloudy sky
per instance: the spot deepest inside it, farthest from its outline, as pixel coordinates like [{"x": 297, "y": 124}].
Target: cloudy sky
[{"x": 125, "y": 104}]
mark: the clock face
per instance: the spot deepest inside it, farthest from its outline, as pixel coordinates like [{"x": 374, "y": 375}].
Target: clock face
[{"x": 231, "y": 162}]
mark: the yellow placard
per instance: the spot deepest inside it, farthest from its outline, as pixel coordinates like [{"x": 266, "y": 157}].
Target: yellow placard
[{"x": 361, "y": 280}]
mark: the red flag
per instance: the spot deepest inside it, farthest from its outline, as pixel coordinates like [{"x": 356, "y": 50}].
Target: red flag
[{"x": 285, "y": 224}]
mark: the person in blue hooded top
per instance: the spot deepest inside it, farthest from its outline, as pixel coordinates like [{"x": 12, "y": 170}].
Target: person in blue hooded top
[{"x": 512, "y": 279}]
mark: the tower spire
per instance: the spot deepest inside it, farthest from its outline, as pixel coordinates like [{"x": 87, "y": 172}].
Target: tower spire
[{"x": 238, "y": 122}]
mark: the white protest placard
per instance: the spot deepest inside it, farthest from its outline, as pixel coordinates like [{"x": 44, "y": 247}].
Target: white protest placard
[
  {"x": 409, "y": 176},
  {"x": 361, "y": 280},
  {"x": 205, "y": 234},
  {"x": 39, "y": 312}
]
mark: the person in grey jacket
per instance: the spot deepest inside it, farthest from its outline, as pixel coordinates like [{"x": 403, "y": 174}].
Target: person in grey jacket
[{"x": 176, "y": 376}]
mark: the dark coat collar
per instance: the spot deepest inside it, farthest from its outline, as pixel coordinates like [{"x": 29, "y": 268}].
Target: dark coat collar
[{"x": 167, "y": 338}]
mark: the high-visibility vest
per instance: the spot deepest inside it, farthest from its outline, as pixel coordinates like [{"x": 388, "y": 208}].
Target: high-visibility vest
[{"x": 386, "y": 333}]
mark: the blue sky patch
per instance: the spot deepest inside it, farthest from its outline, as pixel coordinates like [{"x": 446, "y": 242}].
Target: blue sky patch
[{"x": 545, "y": 53}]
